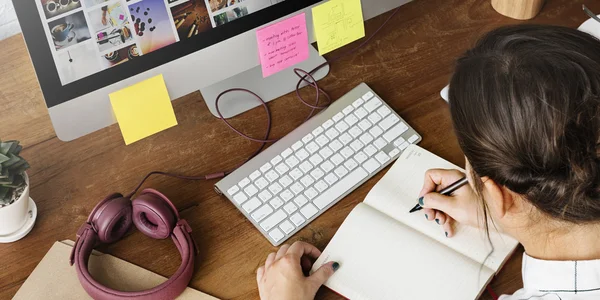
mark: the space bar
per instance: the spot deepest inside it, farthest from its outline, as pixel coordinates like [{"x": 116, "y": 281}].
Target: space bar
[{"x": 338, "y": 189}]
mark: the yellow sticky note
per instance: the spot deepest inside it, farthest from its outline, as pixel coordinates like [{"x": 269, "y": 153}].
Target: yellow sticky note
[
  {"x": 143, "y": 109},
  {"x": 338, "y": 23}
]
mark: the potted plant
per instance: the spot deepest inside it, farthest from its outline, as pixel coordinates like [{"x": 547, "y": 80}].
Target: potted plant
[{"x": 17, "y": 210}]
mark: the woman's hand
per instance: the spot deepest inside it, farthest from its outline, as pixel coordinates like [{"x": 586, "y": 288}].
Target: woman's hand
[
  {"x": 462, "y": 206},
  {"x": 282, "y": 276}
]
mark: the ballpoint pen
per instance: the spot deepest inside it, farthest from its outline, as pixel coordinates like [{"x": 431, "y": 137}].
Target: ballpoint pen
[{"x": 446, "y": 191}]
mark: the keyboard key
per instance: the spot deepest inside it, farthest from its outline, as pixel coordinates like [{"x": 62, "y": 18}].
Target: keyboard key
[
  {"x": 368, "y": 96},
  {"x": 273, "y": 220},
  {"x": 395, "y": 132},
  {"x": 403, "y": 146},
  {"x": 374, "y": 118},
  {"x": 276, "y": 235},
  {"x": 388, "y": 122},
  {"x": 297, "y": 188},
  {"x": 322, "y": 140},
  {"x": 341, "y": 171},
  {"x": 365, "y": 125},
  {"x": 232, "y": 190},
  {"x": 282, "y": 168},
  {"x": 272, "y": 175},
  {"x": 286, "y": 195},
  {"x": 371, "y": 165},
  {"x": 413, "y": 138},
  {"x": 307, "y": 180},
  {"x": 306, "y": 167},
  {"x": 348, "y": 109},
  {"x": 331, "y": 178},
  {"x": 367, "y": 138},
  {"x": 360, "y": 157},
  {"x": 341, "y": 126},
  {"x": 264, "y": 196},
  {"x": 370, "y": 150},
  {"x": 350, "y": 164},
  {"x": 327, "y": 166},
  {"x": 355, "y": 131},
  {"x": 251, "y": 190},
  {"x": 383, "y": 111},
  {"x": 254, "y": 175},
  {"x": 317, "y": 174},
  {"x": 316, "y": 159},
  {"x": 328, "y": 124},
  {"x": 399, "y": 141},
  {"x": 351, "y": 120},
  {"x": 356, "y": 145},
  {"x": 297, "y": 219},
  {"x": 296, "y": 173},
  {"x": 244, "y": 182},
  {"x": 338, "y": 189},
  {"x": 262, "y": 213},
  {"x": 379, "y": 143},
  {"x": 240, "y": 198},
  {"x": 297, "y": 145},
  {"x": 276, "y": 160},
  {"x": 309, "y": 210},
  {"x": 302, "y": 154},
  {"x": 290, "y": 208},
  {"x": 276, "y": 202},
  {"x": 337, "y": 159},
  {"x": 292, "y": 161},
  {"x": 300, "y": 200},
  {"x": 347, "y": 152},
  {"x": 321, "y": 186},
  {"x": 326, "y": 152},
  {"x": 266, "y": 167},
  {"x": 285, "y": 181},
  {"x": 336, "y": 145},
  {"x": 311, "y": 193},
  {"x": 261, "y": 183},
  {"x": 360, "y": 113},
  {"x": 275, "y": 188},
  {"x": 382, "y": 157},
  {"x": 338, "y": 117},
  {"x": 312, "y": 147},
  {"x": 394, "y": 152},
  {"x": 332, "y": 133},
  {"x": 372, "y": 104},
  {"x": 358, "y": 103},
  {"x": 318, "y": 131},
  {"x": 287, "y": 152},
  {"x": 251, "y": 205},
  {"x": 287, "y": 227},
  {"x": 307, "y": 138}
]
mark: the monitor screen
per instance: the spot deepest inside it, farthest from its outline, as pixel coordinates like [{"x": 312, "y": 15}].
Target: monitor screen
[{"x": 78, "y": 46}]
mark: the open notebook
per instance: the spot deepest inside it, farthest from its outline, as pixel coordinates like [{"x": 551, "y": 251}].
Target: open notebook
[{"x": 386, "y": 253}]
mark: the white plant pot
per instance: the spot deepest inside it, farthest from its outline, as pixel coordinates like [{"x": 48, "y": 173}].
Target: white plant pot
[{"x": 17, "y": 219}]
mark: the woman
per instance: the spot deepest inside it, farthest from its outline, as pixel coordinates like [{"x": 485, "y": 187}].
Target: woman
[{"x": 525, "y": 104}]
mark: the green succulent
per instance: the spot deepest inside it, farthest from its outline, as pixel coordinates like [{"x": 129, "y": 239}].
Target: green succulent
[{"x": 12, "y": 167}]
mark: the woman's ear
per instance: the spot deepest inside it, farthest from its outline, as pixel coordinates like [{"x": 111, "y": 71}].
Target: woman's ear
[{"x": 499, "y": 199}]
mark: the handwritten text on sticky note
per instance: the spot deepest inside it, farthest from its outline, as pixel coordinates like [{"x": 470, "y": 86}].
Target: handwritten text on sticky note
[
  {"x": 338, "y": 23},
  {"x": 283, "y": 44},
  {"x": 143, "y": 109}
]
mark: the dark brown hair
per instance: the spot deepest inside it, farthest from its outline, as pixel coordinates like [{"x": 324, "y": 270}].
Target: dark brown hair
[{"x": 525, "y": 104}]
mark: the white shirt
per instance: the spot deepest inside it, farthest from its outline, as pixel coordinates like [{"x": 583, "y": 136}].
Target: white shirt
[{"x": 558, "y": 280}]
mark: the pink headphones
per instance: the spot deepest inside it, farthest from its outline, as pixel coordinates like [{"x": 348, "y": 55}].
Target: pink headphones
[{"x": 153, "y": 214}]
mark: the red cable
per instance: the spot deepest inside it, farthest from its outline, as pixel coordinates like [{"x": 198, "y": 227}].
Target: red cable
[{"x": 491, "y": 292}]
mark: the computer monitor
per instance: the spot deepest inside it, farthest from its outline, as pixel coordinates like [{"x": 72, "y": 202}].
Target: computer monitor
[{"x": 83, "y": 50}]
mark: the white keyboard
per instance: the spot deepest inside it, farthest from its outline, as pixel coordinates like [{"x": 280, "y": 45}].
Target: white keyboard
[{"x": 292, "y": 182}]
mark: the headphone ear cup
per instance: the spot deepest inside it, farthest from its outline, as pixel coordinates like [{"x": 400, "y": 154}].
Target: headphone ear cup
[
  {"x": 153, "y": 216},
  {"x": 112, "y": 219}
]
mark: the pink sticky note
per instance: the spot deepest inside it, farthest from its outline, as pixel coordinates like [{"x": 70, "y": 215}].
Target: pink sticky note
[
  {"x": 282, "y": 45},
  {"x": 121, "y": 17}
]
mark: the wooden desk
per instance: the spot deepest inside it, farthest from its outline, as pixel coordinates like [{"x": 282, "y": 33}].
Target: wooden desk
[{"x": 407, "y": 64}]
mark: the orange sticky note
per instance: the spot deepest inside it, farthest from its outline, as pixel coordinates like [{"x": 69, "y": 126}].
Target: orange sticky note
[{"x": 143, "y": 109}]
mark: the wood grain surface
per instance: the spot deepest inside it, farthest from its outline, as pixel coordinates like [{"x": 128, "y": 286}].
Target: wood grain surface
[{"x": 408, "y": 63}]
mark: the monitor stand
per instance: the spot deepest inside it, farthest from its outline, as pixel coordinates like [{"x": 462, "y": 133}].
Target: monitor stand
[{"x": 268, "y": 89}]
